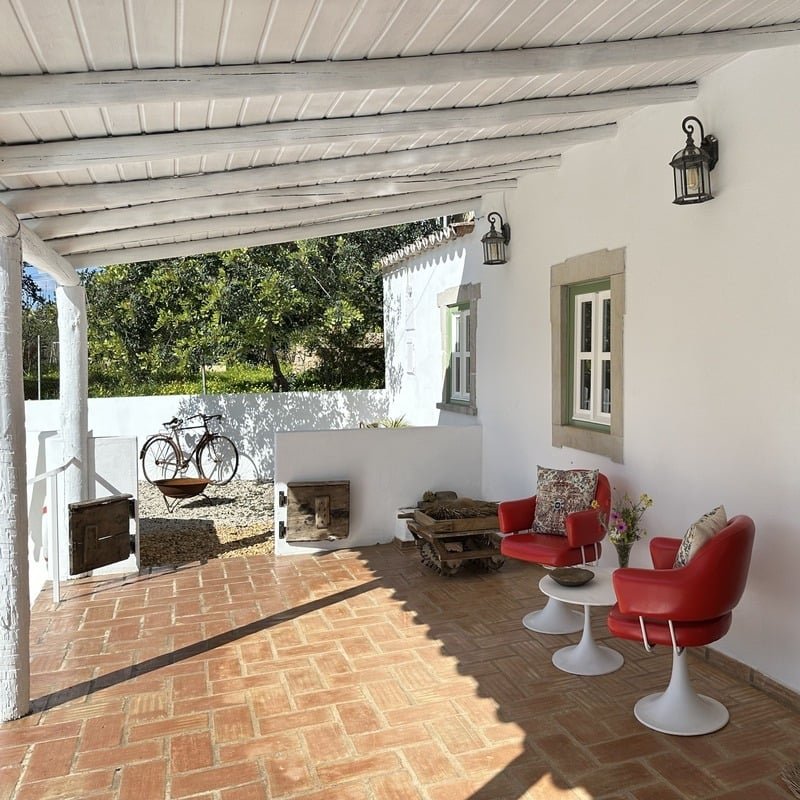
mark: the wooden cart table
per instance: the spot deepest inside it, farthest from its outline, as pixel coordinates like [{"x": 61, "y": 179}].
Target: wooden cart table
[{"x": 446, "y": 545}]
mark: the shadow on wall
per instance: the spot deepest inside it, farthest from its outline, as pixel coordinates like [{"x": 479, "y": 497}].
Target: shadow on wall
[
  {"x": 251, "y": 421},
  {"x": 394, "y": 335}
]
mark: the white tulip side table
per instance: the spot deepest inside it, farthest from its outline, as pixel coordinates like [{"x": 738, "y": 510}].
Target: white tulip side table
[{"x": 587, "y": 657}]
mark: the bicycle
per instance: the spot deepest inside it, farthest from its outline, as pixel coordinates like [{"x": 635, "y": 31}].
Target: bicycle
[{"x": 215, "y": 456}]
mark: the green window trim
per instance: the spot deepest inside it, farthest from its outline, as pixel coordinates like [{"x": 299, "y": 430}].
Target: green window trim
[{"x": 450, "y": 302}]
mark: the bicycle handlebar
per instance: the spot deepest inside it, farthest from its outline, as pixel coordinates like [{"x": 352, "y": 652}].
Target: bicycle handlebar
[{"x": 176, "y": 422}]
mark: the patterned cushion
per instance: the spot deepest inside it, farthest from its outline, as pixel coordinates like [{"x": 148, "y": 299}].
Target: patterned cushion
[
  {"x": 561, "y": 492},
  {"x": 699, "y": 534}
]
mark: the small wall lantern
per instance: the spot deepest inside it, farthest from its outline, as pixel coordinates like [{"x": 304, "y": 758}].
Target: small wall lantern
[
  {"x": 494, "y": 242},
  {"x": 692, "y": 165}
]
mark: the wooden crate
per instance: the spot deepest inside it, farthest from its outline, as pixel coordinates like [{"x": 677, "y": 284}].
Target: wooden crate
[{"x": 435, "y": 526}]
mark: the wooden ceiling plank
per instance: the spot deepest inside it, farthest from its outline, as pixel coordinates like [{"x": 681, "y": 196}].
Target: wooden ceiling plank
[
  {"x": 291, "y": 234},
  {"x": 218, "y": 225},
  {"x": 263, "y": 200},
  {"x": 75, "y": 197},
  {"x": 88, "y": 153},
  {"x": 21, "y": 93}
]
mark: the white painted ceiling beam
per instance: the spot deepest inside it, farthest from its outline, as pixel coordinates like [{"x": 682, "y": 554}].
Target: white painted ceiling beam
[
  {"x": 266, "y": 199},
  {"x": 220, "y": 225},
  {"x": 291, "y": 234},
  {"x": 90, "y": 153},
  {"x": 111, "y": 195},
  {"x": 36, "y": 252},
  {"x": 25, "y": 93}
]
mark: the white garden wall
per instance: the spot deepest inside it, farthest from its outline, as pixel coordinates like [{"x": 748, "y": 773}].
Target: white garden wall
[
  {"x": 251, "y": 420},
  {"x": 711, "y": 380}
]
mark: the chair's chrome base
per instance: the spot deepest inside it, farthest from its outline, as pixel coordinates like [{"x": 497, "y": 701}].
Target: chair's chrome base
[
  {"x": 679, "y": 710},
  {"x": 555, "y": 617}
]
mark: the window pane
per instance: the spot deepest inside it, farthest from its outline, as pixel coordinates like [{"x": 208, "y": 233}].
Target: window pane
[
  {"x": 466, "y": 329},
  {"x": 456, "y": 332},
  {"x": 467, "y": 381},
  {"x": 457, "y": 374},
  {"x": 586, "y": 384},
  {"x": 606, "y": 388},
  {"x": 586, "y": 327},
  {"x": 607, "y": 325}
]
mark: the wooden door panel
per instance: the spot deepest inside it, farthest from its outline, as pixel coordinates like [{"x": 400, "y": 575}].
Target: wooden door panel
[
  {"x": 99, "y": 532},
  {"x": 318, "y": 511}
]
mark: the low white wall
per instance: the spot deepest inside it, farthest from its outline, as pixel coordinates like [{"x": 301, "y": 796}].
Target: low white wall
[
  {"x": 250, "y": 420},
  {"x": 388, "y": 468}
]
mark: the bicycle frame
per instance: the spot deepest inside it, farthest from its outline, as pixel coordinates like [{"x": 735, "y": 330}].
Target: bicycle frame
[{"x": 177, "y": 429}]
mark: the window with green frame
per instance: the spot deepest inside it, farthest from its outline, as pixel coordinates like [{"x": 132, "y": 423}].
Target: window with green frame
[
  {"x": 589, "y": 326},
  {"x": 459, "y": 320},
  {"x": 587, "y": 307}
]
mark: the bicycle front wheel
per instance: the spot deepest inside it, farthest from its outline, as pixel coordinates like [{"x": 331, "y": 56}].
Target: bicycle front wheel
[
  {"x": 218, "y": 460},
  {"x": 160, "y": 459}
]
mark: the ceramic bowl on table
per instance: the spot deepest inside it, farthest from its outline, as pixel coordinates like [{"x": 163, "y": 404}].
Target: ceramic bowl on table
[{"x": 571, "y": 576}]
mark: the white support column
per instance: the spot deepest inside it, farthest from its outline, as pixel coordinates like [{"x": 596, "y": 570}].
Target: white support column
[
  {"x": 74, "y": 400},
  {"x": 14, "y": 592}
]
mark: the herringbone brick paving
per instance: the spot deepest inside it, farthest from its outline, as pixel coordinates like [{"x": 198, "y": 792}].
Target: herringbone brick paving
[{"x": 358, "y": 675}]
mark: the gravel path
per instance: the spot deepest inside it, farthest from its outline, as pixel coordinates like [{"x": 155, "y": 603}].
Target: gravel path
[{"x": 235, "y": 520}]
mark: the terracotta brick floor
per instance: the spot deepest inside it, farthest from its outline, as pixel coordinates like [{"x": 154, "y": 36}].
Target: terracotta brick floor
[{"x": 354, "y": 676}]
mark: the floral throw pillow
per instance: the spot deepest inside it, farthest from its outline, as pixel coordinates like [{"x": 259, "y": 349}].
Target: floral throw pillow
[
  {"x": 561, "y": 492},
  {"x": 699, "y": 534}
]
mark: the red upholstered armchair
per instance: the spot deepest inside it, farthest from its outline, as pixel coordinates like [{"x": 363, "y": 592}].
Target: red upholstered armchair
[
  {"x": 680, "y": 608},
  {"x": 581, "y": 545}
]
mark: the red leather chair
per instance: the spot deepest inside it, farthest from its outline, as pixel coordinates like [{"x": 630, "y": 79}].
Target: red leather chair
[
  {"x": 581, "y": 545},
  {"x": 680, "y": 608}
]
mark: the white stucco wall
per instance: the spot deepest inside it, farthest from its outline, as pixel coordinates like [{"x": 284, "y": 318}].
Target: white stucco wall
[
  {"x": 412, "y": 318},
  {"x": 711, "y": 381}
]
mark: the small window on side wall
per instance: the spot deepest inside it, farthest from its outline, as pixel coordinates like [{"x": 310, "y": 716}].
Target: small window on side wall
[
  {"x": 460, "y": 354},
  {"x": 459, "y": 310},
  {"x": 587, "y": 305}
]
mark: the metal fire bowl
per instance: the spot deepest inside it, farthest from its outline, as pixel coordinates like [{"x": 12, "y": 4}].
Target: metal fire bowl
[{"x": 182, "y": 487}]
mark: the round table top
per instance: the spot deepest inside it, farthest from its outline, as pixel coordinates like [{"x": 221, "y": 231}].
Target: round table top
[{"x": 598, "y": 592}]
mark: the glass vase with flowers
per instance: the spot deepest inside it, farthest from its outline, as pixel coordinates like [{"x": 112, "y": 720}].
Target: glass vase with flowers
[{"x": 624, "y": 524}]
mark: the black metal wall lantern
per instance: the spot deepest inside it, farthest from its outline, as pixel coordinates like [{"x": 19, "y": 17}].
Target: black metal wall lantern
[
  {"x": 692, "y": 165},
  {"x": 494, "y": 242}
]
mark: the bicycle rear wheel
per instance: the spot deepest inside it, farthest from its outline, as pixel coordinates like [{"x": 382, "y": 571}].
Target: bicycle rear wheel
[
  {"x": 160, "y": 459},
  {"x": 218, "y": 460}
]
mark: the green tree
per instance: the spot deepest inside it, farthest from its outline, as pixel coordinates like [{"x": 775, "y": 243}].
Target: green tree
[
  {"x": 153, "y": 325},
  {"x": 39, "y": 339},
  {"x": 31, "y": 292}
]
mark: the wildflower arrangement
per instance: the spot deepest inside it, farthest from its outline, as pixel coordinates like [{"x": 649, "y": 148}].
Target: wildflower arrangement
[{"x": 623, "y": 525}]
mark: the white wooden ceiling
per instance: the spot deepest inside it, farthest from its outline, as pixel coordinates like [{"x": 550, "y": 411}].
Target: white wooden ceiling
[{"x": 139, "y": 129}]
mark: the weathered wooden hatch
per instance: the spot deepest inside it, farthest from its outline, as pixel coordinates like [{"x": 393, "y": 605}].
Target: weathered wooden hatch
[
  {"x": 99, "y": 532},
  {"x": 317, "y": 511}
]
